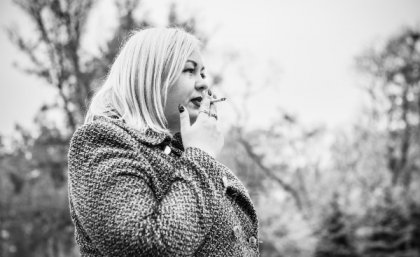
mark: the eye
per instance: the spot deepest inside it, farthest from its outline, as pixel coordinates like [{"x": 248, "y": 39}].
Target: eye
[
  {"x": 203, "y": 76},
  {"x": 189, "y": 70}
]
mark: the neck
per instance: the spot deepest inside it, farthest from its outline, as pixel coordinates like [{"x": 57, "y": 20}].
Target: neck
[{"x": 174, "y": 130}]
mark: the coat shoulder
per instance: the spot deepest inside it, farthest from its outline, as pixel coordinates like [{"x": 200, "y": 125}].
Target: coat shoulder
[{"x": 101, "y": 132}]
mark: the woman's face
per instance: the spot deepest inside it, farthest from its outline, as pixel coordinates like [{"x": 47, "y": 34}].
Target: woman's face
[{"x": 187, "y": 91}]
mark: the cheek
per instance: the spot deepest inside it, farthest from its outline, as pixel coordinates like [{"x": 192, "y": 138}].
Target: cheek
[
  {"x": 171, "y": 109},
  {"x": 181, "y": 92},
  {"x": 172, "y": 99}
]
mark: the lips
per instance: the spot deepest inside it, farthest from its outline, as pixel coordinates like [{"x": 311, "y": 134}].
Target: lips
[{"x": 197, "y": 101}]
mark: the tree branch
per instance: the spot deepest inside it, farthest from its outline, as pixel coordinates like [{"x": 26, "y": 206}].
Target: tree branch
[{"x": 258, "y": 160}]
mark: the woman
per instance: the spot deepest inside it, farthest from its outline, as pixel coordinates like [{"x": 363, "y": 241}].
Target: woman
[{"x": 143, "y": 180}]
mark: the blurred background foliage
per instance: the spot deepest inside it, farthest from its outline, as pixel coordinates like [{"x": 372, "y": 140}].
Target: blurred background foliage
[{"x": 365, "y": 202}]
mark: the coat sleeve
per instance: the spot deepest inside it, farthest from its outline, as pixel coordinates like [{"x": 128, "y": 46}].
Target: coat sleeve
[{"x": 116, "y": 206}]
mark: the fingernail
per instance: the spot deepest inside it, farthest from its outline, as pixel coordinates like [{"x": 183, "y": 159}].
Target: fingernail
[
  {"x": 181, "y": 108},
  {"x": 209, "y": 92}
]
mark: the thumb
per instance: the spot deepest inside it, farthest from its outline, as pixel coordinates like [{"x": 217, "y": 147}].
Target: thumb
[{"x": 184, "y": 118}]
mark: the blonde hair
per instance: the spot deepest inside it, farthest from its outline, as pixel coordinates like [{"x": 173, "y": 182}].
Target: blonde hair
[{"x": 137, "y": 84}]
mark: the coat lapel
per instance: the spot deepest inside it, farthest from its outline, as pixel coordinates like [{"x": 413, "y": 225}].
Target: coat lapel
[{"x": 238, "y": 191}]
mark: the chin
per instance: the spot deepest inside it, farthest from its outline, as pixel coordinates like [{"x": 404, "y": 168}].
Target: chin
[
  {"x": 193, "y": 118},
  {"x": 193, "y": 115},
  {"x": 193, "y": 112}
]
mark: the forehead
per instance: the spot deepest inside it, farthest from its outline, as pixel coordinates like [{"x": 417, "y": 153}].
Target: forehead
[{"x": 196, "y": 58}]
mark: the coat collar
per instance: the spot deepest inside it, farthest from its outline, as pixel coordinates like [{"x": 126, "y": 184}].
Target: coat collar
[
  {"x": 149, "y": 136},
  {"x": 152, "y": 137}
]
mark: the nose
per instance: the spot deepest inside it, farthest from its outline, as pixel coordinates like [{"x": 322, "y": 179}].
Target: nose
[{"x": 201, "y": 84}]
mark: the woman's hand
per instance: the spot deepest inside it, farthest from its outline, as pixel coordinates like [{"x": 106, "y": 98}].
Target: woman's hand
[{"x": 204, "y": 133}]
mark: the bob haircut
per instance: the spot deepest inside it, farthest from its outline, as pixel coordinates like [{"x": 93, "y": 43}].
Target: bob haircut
[{"x": 137, "y": 84}]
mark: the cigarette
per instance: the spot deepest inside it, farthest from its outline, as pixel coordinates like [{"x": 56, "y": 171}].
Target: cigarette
[{"x": 218, "y": 100}]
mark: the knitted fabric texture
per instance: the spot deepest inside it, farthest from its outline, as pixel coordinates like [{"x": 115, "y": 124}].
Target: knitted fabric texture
[{"x": 143, "y": 194}]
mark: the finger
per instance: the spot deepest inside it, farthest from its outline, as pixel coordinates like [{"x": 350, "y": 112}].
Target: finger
[
  {"x": 211, "y": 93},
  {"x": 213, "y": 109},
  {"x": 184, "y": 118},
  {"x": 205, "y": 103}
]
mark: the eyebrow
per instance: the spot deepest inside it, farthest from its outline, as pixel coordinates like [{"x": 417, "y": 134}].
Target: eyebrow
[{"x": 195, "y": 64}]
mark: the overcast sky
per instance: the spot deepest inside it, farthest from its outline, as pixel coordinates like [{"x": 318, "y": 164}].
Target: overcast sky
[{"x": 312, "y": 42}]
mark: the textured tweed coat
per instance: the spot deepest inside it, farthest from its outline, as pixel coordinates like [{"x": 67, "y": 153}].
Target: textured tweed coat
[{"x": 142, "y": 194}]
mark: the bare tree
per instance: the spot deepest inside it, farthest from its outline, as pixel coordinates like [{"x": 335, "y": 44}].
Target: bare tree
[
  {"x": 395, "y": 70},
  {"x": 55, "y": 52}
]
